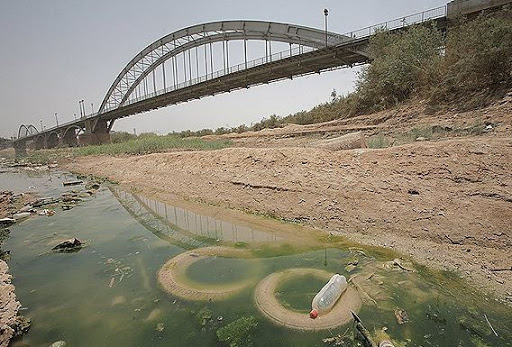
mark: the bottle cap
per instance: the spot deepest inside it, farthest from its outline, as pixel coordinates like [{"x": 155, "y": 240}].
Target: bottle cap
[{"x": 313, "y": 314}]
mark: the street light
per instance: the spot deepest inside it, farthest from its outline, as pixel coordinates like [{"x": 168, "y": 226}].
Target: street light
[
  {"x": 80, "y": 106},
  {"x": 56, "y": 119},
  {"x": 41, "y": 121},
  {"x": 326, "y": 13}
]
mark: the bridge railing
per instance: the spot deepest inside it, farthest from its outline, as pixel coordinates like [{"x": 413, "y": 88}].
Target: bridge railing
[
  {"x": 417, "y": 18},
  {"x": 219, "y": 73}
]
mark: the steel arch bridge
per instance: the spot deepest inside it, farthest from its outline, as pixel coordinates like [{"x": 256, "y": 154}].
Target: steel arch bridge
[
  {"x": 195, "y": 43},
  {"x": 217, "y": 57}
]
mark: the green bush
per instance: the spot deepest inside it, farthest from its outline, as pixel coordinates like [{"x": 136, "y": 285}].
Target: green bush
[
  {"x": 379, "y": 141},
  {"x": 151, "y": 144},
  {"x": 404, "y": 64},
  {"x": 478, "y": 63},
  {"x": 121, "y": 136}
]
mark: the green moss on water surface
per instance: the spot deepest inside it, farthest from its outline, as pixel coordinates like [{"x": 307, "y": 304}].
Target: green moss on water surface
[
  {"x": 297, "y": 294},
  {"x": 238, "y": 333},
  {"x": 220, "y": 271}
]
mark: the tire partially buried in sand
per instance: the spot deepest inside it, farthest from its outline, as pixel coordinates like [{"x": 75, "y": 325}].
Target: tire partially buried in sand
[
  {"x": 271, "y": 308},
  {"x": 171, "y": 275}
]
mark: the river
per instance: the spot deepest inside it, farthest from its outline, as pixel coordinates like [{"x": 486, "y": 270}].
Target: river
[{"x": 109, "y": 294}]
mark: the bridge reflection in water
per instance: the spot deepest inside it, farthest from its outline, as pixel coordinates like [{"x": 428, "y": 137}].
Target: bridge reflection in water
[{"x": 183, "y": 227}]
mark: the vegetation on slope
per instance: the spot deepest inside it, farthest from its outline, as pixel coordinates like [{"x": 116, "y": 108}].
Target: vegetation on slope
[
  {"x": 467, "y": 68},
  {"x": 125, "y": 143}
]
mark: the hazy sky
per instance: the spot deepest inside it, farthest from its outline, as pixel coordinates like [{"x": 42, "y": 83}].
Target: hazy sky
[{"x": 56, "y": 52}]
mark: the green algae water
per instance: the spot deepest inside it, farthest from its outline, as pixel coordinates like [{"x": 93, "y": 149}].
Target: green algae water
[{"x": 107, "y": 293}]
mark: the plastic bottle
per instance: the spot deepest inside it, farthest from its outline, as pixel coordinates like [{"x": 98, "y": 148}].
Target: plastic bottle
[{"x": 324, "y": 301}]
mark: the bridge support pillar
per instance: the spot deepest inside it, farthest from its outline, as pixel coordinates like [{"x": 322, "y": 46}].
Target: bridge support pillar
[
  {"x": 40, "y": 142},
  {"x": 69, "y": 139},
  {"x": 20, "y": 148},
  {"x": 96, "y": 134}
]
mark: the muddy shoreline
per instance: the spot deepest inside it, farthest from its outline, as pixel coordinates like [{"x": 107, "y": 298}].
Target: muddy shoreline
[
  {"x": 445, "y": 204},
  {"x": 10, "y": 319}
]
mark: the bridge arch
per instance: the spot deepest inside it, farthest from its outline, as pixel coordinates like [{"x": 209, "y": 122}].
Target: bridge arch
[
  {"x": 52, "y": 139},
  {"x": 70, "y": 135},
  {"x": 40, "y": 141},
  {"x": 169, "y": 46},
  {"x": 75, "y": 127},
  {"x": 26, "y": 130}
]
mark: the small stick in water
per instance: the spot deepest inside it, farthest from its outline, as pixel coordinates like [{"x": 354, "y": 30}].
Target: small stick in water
[
  {"x": 490, "y": 326},
  {"x": 362, "y": 330}
]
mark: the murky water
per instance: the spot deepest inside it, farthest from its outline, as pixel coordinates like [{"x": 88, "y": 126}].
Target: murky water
[{"x": 107, "y": 293}]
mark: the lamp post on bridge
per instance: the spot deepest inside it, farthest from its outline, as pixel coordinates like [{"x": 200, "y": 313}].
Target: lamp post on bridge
[
  {"x": 41, "y": 122},
  {"x": 56, "y": 119},
  {"x": 82, "y": 106},
  {"x": 326, "y": 13}
]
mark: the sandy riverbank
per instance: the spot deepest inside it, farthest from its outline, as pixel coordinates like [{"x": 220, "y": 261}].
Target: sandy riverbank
[{"x": 447, "y": 204}]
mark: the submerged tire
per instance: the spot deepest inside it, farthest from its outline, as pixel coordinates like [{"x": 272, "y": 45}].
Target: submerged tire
[{"x": 271, "y": 308}]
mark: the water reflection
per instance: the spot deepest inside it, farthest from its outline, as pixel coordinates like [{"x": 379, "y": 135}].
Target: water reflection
[{"x": 189, "y": 229}]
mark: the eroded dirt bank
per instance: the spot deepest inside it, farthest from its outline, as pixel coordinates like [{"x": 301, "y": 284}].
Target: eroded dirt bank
[
  {"x": 10, "y": 321},
  {"x": 447, "y": 204}
]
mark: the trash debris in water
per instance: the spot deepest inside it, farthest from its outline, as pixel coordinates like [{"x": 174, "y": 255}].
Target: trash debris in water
[
  {"x": 72, "y": 183},
  {"x": 363, "y": 331},
  {"x": 46, "y": 212},
  {"x": 401, "y": 316},
  {"x": 7, "y": 221},
  {"x": 72, "y": 244},
  {"x": 327, "y": 297}
]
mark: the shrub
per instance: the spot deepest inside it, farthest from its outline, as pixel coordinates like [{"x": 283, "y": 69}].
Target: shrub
[
  {"x": 404, "y": 64},
  {"x": 478, "y": 62},
  {"x": 121, "y": 136}
]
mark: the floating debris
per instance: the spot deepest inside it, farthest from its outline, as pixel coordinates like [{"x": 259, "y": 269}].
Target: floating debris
[
  {"x": 7, "y": 221},
  {"x": 72, "y": 183},
  {"x": 46, "y": 212},
  {"x": 351, "y": 265},
  {"x": 160, "y": 327},
  {"x": 401, "y": 316},
  {"x": 363, "y": 331},
  {"x": 70, "y": 245}
]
